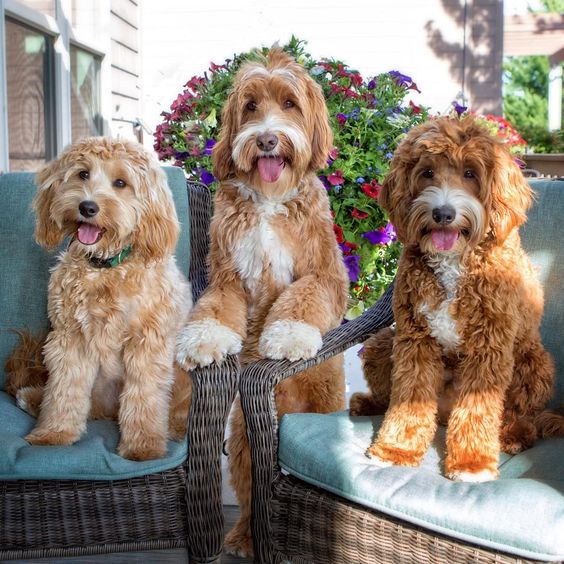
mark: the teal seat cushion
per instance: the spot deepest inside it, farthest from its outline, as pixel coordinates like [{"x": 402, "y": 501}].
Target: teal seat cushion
[
  {"x": 542, "y": 239},
  {"x": 522, "y": 513},
  {"x": 93, "y": 457}
]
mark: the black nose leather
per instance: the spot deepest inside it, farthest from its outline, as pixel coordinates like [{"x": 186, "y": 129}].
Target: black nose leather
[
  {"x": 444, "y": 214},
  {"x": 267, "y": 141},
  {"x": 88, "y": 208}
]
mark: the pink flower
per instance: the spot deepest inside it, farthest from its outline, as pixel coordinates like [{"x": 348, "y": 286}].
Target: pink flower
[{"x": 336, "y": 178}]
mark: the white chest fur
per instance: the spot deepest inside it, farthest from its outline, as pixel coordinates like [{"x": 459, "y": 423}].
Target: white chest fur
[
  {"x": 443, "y": 327},
  {"x": 260, "y": 248}
]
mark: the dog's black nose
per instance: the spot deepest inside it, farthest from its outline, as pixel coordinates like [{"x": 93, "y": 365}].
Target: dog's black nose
[
  {"x": 267, "y": 141},
  {"x": 444, "y": 215},
  {"x": 88, "y": 208}
]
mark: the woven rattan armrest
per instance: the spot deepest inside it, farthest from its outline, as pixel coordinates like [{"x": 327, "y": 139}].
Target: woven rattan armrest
[{"x": 256, "y": 387}]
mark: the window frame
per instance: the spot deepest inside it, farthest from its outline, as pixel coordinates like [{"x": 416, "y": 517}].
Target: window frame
[{"x": 59, "y": 29}]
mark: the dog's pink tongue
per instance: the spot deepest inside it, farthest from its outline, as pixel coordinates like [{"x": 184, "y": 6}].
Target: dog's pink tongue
[
  {"x": 444, "y": 239},
  {"x": 88, "y": 234},
  {"x": 270, "y": 168}
]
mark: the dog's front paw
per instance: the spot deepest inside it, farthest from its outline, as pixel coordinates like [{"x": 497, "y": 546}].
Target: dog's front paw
[
  {"x": 473, "y": 476},
  {"x": 239, "y": 542},
  {"x": 205, "y": 341},
  {"x": 384, "y": 455},
  {"x": 145, "y": 448},
  {"x": 48, "y": 437},
  {"x": 29, "y": 399},
  {"x": 292, "y": 340}
]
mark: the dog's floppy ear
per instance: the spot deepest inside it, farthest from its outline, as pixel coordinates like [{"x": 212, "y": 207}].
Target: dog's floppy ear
[
  {"x": 395, "y": 196},
  {"x": 322, "y": 134},
  {"x": 48, "y": 179},
  {"x": 511, "y": 195},
  {"x": 157, "y": 233},
  {"x": 222, "y": 153}
]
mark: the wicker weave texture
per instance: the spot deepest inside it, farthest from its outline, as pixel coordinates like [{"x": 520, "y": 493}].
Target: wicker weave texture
[
  {"x": 256, "y": 387},
  {"x": 38, "y": 515},
  {"x": 314, "y": 526}
]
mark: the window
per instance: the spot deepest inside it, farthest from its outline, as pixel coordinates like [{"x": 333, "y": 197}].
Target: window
[
  {"x": 86, "y": 118},
  {"x": 31, "y": 112}
]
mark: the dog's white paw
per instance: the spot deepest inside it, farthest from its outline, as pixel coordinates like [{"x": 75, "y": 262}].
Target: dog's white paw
[
  {"x": 473, "y": 477},
  {"x": 205, "y": 341},
  {"x": 21, "y": 399},
  {"x": 292, "y": 340}
]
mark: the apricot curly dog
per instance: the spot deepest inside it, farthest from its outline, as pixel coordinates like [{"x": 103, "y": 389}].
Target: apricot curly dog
[
  {"x": 277, "y": 278},
  {"x": 467, "y": 306},
  {"x": 116, "y": 302}
]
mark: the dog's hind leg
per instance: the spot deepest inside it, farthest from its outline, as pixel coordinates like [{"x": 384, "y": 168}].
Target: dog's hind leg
[
  {"x": 526, "y": 397},
  {"x": 377, "y": 366},
  {"x": 239, "y": 540}
]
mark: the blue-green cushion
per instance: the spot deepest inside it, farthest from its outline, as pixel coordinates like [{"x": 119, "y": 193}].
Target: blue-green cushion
[
  {"x": 521, "y": 513},
  {"x": 24, "y": 273},
  {"x": 94, "y": 457},
  {"x": 543, "y": 239},
  {"x": 24, "y": 265}
]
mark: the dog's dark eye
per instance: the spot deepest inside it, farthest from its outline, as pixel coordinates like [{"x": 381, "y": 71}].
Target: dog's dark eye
[
  {"x": 288, "y": 104},
  {"x": 428, "y": 173},
  {"x": 469, "y": 173},
  {"x": 119, "y": 183},
  {"x": 251, "y": 106},
  {"x": 84, "y": 174}
]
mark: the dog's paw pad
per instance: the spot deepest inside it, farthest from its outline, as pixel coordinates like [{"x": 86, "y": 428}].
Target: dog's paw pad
[
  {"x": 291, "y": 340},
  {"x": 480, "y": 476},
  {"x": 202, "y": 342}
]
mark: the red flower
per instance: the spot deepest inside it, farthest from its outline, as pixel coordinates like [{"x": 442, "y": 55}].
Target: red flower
[
  {"x": 356, "y": 79},
  {"x": 336, "y": 178},
  {"x": 352, "y": 246},
  {"x": 416, "y": 109},
  {"x": 372, "y": 190},
  {"x": 338, "y": 233},
  {"x": 359, "y": 214}
]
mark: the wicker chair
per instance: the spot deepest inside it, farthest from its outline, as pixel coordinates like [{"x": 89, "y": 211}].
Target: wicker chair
[
  {"x": 179, "y": 507},
  {"x": 294, "y": 520}
]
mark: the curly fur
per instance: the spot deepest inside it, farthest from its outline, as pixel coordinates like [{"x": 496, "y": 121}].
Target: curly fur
[
  {"x": 277, "y": 279},
  {"x": 110, "y": 351},
  {"x": 467, "y": 305}
]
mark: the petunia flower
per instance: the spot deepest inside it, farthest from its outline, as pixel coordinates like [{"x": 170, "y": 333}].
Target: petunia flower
[
  {"x": 338, "y": 230},
  {"x": 372, "y": 190},
  {"x": 414, "y": 107},
  {"x": 209, "y": 146},
  {"x": 352, "y": 262},
  {"x": 371, "y": 84},
  {"x": 459, "y": 109},
  {"x": 206, "y": 176},
  {"x": 336, "y": 178},
  {"x": 359, "y": 214},
  {"x": 381, "y": 236},
  {"x": 400, "y": 79},
  {"x": 341, "y": 118}
]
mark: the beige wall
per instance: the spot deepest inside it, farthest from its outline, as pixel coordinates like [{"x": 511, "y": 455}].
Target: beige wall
[{"x": 421, "y": 38}]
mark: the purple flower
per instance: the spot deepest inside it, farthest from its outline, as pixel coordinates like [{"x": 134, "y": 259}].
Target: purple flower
[
  {"x": 341, "y": 118},
  {"x": 209, "y": 146},
  {"x": 381, "y": 236},
  {"x": 371, "y": 84},
  {"x": 458, "y": 108},
  {"x": 352, "y": 262},
  {"x": 325, "y": 182},
  {"x": 206, "y": 176},
  {"x": 401, "y": 79}
]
